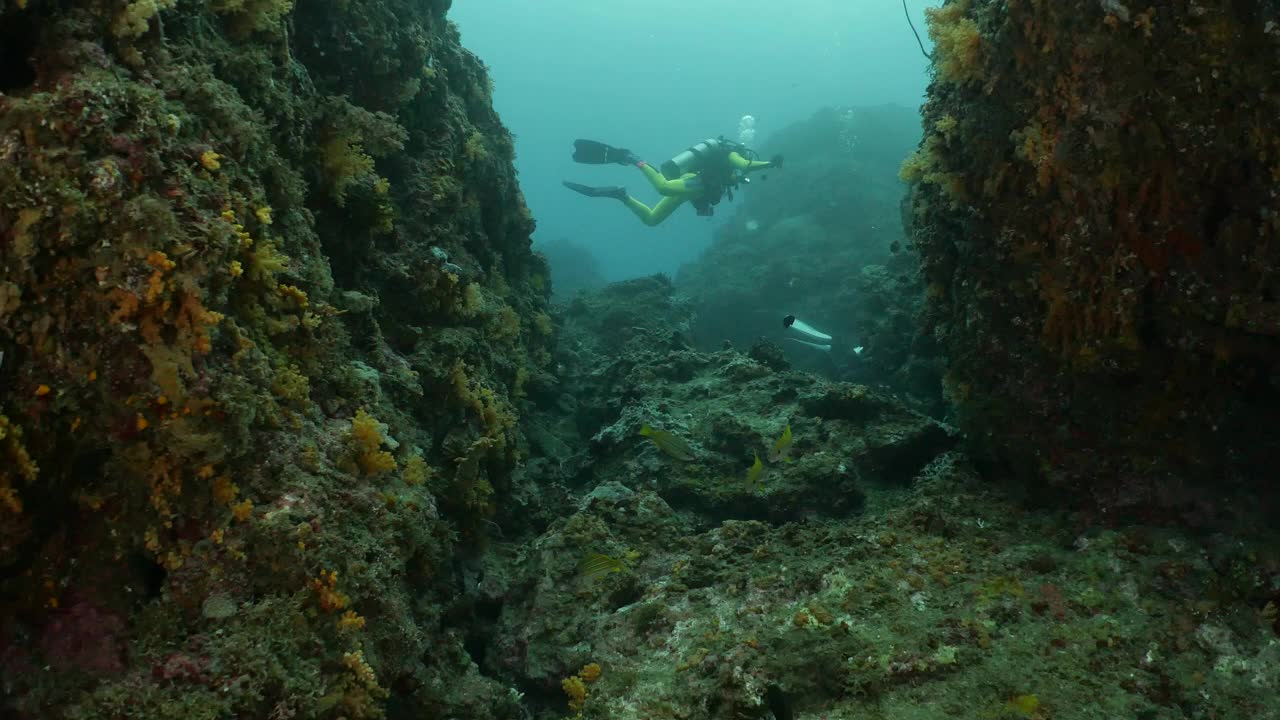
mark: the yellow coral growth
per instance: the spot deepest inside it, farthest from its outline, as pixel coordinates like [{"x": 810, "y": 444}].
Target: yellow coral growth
[
  {"x": 493, "y": 411},
  {"x": 958, "y": 49},
  {"x": 543, "y": 324},
  {"x": 924, "y": 165},
  {"x": 291, "y": 385},
  {"x": 161, "y": 265},
  {"x": 165, "y": 479},
  {"x": 160, "y": 261},
  {"x": 246, "y": 240},
  {"x": 416, "y": 470},
  {"x": 224, "y": 491},
  {"x": 577, "y": 692},
  {"x": 367, "y": 436},
  {"x": 520, "y": 380},
  {"x": 1026, "y": 705},
  {"x": 295, "y": 294},
  {"x": 265, "y": 262},
  {"x": 474, "y": 149},
  {"x": 135, "y": 19},
  {"x": 350, "y": 621},
  {"x": 946, "y": 126},
  {"x": 506, "y": 325},
  {"x": 24, "y": 245},
  {"x": 377, "y": 463},
  {"x": 15, "y": 462},
  {"x": 193, "y": 322},
  {"x": 360, "y": 696},
  {"x": 365, "y": 430},
  {"x": 575, "y": 687},
  {"x": 472, "y": 300},
  {"x": 126, "y": 303},
  {"x": 326, "y": 587},
  {"x": 10, "y": 299},
  {"x": 254, "y": 15},
  {"x": 168, "y": 365},
  {"x": 345, "y": 161},
  {"x": 1037, "y": 144}
]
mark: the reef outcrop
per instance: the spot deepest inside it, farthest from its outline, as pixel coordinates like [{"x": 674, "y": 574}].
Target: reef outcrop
[
  {"x": 1097, "y": 218},
  {"x": 861, "y": 569}
]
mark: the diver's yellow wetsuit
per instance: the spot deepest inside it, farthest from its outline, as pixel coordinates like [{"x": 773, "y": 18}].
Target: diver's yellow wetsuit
[
  {"x": 714, "y": 167},
  {"x": 675, "y": 193}
]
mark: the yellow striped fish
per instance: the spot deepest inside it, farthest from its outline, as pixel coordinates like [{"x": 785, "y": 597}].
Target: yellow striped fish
[
  {"x": 668, "y": 443},
  {"x": 755, "y": 474},
  {"x": 782, "y": 447},
  {"x": 597, "y": 565}
]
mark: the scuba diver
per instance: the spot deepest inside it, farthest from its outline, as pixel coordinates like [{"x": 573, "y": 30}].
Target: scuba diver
[{"x": 701, "y": 175}]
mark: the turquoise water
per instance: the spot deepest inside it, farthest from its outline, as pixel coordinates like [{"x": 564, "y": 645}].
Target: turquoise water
[{"x": 658, "y": 76}]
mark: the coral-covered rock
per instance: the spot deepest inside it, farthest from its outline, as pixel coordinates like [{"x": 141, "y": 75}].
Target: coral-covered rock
[
  {"x": 1097, "y": 218},
  {"x": 867, "y": 571},
  {"x": 713, "y": 414},
  {"x": 84, "y": 638},
  {"x": 268, "y": 309}
]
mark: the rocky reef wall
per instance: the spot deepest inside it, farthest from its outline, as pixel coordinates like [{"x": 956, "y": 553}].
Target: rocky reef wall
[
  {"x": 1097, "y": 214},
  {"x": 267, "y": 313}
]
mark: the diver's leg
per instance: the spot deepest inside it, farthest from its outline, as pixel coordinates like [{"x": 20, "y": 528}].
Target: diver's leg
[
  {"x": 660, "y": 212},
  {"x": 687, "y": 186},
  {"x": 650, "y": 217},
  {"x": 664, "y": 208}
]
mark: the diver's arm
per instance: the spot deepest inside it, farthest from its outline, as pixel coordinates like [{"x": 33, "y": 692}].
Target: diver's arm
[{"x": 745, "y": 165}]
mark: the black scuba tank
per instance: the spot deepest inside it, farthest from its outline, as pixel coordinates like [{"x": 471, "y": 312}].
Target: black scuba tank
[{"x": 693, "y": 159}]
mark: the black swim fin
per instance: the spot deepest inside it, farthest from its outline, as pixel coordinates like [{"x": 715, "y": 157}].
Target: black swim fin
[
  {"x": 590, "y": 152},
  {"x": 611, "y": 191}
]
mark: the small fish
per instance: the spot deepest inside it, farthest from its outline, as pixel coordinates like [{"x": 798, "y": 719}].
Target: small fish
[
  {"x": 754, "y": 474},
  {"x": 668, "y": 443},
  {"x": 782, "y": 447},
  {"x": 597, "y": 565}
]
